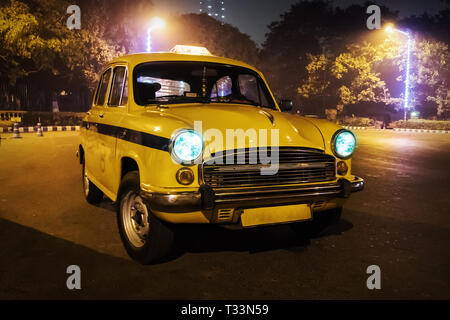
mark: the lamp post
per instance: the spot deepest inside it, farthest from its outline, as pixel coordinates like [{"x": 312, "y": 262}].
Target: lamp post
[
  {"x": 390, "y": 29},
  {"x": 156, "y": 23}
]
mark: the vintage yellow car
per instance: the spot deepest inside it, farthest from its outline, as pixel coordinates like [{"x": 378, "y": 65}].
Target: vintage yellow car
[{"x": 187, "y": 137}]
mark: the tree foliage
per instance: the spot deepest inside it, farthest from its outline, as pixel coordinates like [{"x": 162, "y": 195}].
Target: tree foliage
[
  {"x": 37, "y": 47},
  {"x": 35, "y": 38},
  {"x": 325, "y": 57},
  {"x": 350, "y": 77},
  {"x": 353, "y": 76},
  {"x": 220, "y": 39},
  {"x": 432, "y": 74},
  {"x": 310, "y": 28}
]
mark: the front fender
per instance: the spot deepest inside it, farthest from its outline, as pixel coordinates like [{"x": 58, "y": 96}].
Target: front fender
[{"x": 327, "y": 129}]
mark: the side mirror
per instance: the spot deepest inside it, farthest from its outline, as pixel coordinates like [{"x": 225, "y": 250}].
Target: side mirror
[{"x": 286, "y": 105}]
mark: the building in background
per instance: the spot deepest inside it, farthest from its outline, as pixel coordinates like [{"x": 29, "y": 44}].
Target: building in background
[{"x": 214, "y": 8}]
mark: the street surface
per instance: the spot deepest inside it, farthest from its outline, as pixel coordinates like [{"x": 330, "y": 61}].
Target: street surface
[{"x": 400, "y": 222}]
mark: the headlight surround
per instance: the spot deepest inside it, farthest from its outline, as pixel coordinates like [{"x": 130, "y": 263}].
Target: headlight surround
[
  {"x": 343, "y": 144},
  {"x": 186, "y": 146}
]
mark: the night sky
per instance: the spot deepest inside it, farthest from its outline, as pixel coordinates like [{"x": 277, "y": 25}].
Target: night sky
[{"x": 253, "y": 16}]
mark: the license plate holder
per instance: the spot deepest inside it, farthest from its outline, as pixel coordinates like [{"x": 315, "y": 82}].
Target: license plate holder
[{"x": 275, "y": 215}]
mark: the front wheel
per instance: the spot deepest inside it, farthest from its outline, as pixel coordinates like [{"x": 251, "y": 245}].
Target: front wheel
[
  {"x": 146, "y": 238},
  {"x": 321, "y": 221}
]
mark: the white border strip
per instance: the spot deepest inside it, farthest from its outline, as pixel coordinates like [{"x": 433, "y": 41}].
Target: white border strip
[
  {"x": 49, "y": 129},
  {"x": 398, "y": 129}
]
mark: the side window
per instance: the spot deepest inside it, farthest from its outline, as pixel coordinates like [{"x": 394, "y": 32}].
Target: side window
[
  {"x": 117, "y": 87},
  {"x": 264, "y": 101},
  {"x": 248, "y": 85},
  {"x": 252, "y": 89},
  {"x": 124, "y": 99},
  {"x": 103, "y": 88}
]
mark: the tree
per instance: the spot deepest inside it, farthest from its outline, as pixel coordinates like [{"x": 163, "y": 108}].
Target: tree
[
  {"x": 42, "y": 53},
  {"x": 39, "y": 51},
  {"x": 288, "y": 43},
  {"x": 432, "y": 74},
  {"x": 121, "y": 22},
  {"x": 20, "y": 43},
  {"x": 202, "y": 30},
  {"x": 432, "y": 26},
  {"x": 310, "y": 28},
  {"x": 350, "y": 77}
]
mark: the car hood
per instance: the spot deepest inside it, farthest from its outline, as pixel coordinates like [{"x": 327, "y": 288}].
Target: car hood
[{"x": 293, "y": 130}]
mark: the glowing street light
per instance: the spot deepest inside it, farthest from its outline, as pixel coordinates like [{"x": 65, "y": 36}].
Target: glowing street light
[
  {"x": 155, "y": 23},
  {"x": 390, "y": 29}
]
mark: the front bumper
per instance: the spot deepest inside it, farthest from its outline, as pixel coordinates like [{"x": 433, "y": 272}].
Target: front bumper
[{"x": 208, "y": 199}]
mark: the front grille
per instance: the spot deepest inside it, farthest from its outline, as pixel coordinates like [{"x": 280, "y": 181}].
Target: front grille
[
  {"x": 225, "y": 214},
  {"x": 296, "y": 166}
]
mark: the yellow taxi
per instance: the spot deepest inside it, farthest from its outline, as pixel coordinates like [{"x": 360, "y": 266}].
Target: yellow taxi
[{"x": 187, "y": 137}]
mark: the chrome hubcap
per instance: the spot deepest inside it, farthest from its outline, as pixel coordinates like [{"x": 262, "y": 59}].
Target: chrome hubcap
[{"x": 135, "y": 219}]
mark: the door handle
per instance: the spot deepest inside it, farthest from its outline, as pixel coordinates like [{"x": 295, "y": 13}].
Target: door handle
[
  {"x": 101, "y": 115},
  {"x": 122, "y": 134}
]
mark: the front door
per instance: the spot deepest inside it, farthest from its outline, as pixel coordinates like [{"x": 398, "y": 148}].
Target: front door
[
  {"x": 110, "y": 106},
  {"x": 109, "y": 128},
  {"x": 93, "y": 154}
]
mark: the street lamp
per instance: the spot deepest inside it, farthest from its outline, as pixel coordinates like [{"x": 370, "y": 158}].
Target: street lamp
[
  {"x": 389, "y": 29},
  {"x": 155, "y": 23}
]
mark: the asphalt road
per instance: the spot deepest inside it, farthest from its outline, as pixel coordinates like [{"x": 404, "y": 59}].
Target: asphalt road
[{"x": 400, "y": 222}]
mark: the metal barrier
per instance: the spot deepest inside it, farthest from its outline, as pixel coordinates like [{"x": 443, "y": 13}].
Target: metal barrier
[{"x": 11, "y": 115}]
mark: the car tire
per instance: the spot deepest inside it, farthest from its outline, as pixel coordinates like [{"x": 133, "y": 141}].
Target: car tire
[
  {"x": 92, "y": 193},
  {"x": 321, "y": 221},
  {"x": 147, "y": 239}
]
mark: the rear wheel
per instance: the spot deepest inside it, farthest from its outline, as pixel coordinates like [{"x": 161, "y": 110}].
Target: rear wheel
[
  {"x": 321, "y": 221},
  {"x": 93, "y": 194},
  {"x": 146, "y": 238}
]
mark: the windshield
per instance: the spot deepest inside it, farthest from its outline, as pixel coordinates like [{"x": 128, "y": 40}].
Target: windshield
[{"x": 193, "y": 82}]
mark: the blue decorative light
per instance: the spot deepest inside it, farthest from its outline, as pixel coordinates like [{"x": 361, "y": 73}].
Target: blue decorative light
[
  {"x": 344, "y": 144},
  {"x": 156, "y": 23},
  {"x": 187, "y": 146},
  {"x": 406, "y": 96},
  {"x": 408, "y": 62}
]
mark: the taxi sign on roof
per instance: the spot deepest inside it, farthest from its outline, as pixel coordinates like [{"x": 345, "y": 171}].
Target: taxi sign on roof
[{"x": 181, "y": 49}]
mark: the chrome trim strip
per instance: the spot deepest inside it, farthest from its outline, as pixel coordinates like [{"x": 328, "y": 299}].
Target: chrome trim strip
[
  {"x": 358, "y": 184},
  {"x": 229, "y": 192},
  {"x": 296, "y": 196},
  {"x": 174, "y": 202},
  {"x": 258, "y": 167}
]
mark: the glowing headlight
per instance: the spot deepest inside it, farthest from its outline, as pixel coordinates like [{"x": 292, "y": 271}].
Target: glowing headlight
[
  {"x": 343, "y": 144},
  {"x": 186, "y": 146}
]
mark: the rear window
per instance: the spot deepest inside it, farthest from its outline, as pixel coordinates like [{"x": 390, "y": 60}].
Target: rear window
[
  {"x": 116, "y": 97},
  {"x": 103, "y": 88}
]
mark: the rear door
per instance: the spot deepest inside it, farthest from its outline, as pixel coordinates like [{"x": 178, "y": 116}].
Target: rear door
[
  {"x": 115, "y": 110},
  {"x": 93, "y": 137}
]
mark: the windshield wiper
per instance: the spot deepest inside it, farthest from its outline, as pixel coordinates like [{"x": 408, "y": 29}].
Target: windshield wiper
[
  {"x": 242, "y": 100},
  {"x": 178, "y": 99}
]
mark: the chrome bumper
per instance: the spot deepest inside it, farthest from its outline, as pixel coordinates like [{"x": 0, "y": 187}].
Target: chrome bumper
[
  {"x": 208, "y": 199},
  {"x": 175, "y": 202}
]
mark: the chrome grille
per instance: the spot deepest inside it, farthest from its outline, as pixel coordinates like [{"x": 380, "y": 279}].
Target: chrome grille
[{"x": 296, "y": 166}]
